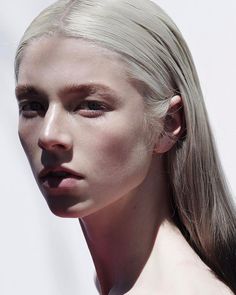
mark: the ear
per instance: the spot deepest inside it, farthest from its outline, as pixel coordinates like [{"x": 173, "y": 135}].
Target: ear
[{"x": 172, "y": 126}]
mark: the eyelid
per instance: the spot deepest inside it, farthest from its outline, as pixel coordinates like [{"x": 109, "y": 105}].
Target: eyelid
[
  {"x": 92, "y": 106},
  {"x": 93, "y": 111},
  {"x": 31, "y": 111},
  {"x": 31, "y": 98},
  {"x": 23, "y": 102},
  {"x": 103, "y": 100},
  {"x": 99, "y": 102},
  {"x": 105, "y": 97}
]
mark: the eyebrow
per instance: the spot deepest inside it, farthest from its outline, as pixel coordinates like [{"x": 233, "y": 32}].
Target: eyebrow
[
  {"x": 84, "y": 90},
  {"x": 81, "y": 90},
  {"x": 26, "y": 90}
]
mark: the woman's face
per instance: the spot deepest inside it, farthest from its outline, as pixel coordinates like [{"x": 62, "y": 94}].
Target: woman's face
[{"x": 81, "y": 125}]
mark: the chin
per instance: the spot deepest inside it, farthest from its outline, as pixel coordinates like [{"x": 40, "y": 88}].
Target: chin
[
  {"x": 66, "y": 210},
  {"x": 64, "y": 213},
  {"x": 66, "y": 206}
]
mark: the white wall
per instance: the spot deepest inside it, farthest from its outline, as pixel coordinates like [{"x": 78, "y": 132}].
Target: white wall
[{"x": 43, "y": 254}]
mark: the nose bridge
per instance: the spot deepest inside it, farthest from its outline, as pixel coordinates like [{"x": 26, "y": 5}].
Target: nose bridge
[
  {"x": 51, "y": 120},
  {"x": 54, "y": 133}
]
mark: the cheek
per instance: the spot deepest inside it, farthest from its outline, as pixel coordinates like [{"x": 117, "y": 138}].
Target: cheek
[
  {"x": 27, "y": 136},
  {"x": 114, "y": 147},
  {"x": 119, "y": 151},
  {"x": 118, "y": 165}
]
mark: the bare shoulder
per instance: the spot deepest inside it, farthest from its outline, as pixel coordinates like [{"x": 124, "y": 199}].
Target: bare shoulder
[
  {"x": 186, "y": 279},
  {"x": 193, "y": 279}
]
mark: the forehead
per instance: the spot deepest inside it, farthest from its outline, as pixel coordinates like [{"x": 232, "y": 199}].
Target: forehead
[
  {"x": 53, "y": 63},
  {"x": 69, "y": 58},
  {"x": 66, "y": 45}
]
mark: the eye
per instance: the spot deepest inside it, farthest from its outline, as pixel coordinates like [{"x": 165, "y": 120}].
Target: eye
[
  {"x": 31, "y": 109},
  {"x": 91, "y": 108}
]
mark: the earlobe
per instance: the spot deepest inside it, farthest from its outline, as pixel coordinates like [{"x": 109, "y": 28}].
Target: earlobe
[{"x": 172, "y": 126}]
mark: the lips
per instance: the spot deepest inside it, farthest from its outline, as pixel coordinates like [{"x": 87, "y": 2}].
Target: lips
[
  {"x": 58, "y": 177},
  {"x": 58, "y": 172}
]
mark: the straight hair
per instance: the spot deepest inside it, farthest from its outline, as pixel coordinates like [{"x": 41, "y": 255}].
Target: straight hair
[{"x": 158, "y": 58}]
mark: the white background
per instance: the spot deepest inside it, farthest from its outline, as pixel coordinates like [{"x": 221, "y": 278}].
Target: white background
[{"x": 42, "y": 254}]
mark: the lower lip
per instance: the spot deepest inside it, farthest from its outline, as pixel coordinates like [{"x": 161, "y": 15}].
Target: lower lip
[{"x": 55, "y": 183}]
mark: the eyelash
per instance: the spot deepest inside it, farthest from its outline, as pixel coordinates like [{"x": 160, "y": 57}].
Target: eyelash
[
  {"x": 28, "y": 108},
  {"x": 91, "y": 108},
  {"x": 87, "y": 108}
]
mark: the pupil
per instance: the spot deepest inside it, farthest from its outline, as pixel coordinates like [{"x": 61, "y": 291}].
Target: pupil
[
  {"x": 35, "y": 106},
  {"x": 93, "y": 106}
]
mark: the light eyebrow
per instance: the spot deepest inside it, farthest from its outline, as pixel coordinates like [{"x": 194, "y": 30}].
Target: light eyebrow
[{"x": 25, "y": 90}]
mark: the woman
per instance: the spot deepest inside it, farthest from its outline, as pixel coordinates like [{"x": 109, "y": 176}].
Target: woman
[{"x": 114, "y": 125}]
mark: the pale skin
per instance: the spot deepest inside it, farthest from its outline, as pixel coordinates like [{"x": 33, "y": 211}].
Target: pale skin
[{"x": 78, "y": 111}]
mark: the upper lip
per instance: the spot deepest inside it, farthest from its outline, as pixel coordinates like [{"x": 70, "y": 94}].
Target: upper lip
[{"x": 48, "y": 170}]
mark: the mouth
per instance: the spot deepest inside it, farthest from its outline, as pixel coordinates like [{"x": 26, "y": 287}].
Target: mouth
[{"x": 59, "y": 177}]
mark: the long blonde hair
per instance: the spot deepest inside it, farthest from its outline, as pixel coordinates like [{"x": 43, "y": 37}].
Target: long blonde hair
[{"x": 158, "y": 57}]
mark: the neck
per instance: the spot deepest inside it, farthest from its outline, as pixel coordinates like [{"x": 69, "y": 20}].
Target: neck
[{"x": 121, "y": 236}]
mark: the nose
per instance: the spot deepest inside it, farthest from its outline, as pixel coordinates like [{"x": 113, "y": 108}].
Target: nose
[{"x": 54, "y": 135}]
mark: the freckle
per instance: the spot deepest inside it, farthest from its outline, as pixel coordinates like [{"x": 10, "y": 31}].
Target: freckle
[{"x": 135, "y": 207}]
